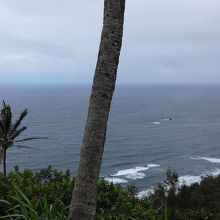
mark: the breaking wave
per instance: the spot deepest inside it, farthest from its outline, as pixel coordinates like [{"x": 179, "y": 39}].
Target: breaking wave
[
  {"x": 115, "y": 180},
  {"x": 189, "y": 180},
  {"x": 210, "y": 159},
  {"x": 182, "y": 180},
  {"x": 145, "y": 193},
  {"x": 134, "y": 173}
]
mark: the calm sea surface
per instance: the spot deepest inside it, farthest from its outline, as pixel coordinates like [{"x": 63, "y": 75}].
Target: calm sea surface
[{"x": 142, "y": 140}]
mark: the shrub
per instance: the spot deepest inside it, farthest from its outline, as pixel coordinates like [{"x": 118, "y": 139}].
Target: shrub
[{"x": 47, "y": 194}]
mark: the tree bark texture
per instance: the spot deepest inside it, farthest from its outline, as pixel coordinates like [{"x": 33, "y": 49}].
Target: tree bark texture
[
  {"x": 83, "y": 204},
  {"x": 1, "y": 154},
  {"x": 4, "y": 162}
]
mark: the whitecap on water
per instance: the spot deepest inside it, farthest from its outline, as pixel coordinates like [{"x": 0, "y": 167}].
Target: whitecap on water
[
  {"x": 115, "y": 180},
  {"x": 151, "y": 165},
  {"x": 210, "y": 159},
  {"x": 130, "y": 171},
  {"x": 189, "y": 180},
  {"x": 215, "y": 172},
  {"x": 156, "y": 122},
  {"x": 134, "y": 173},
  {"x": 135, "y": 176},
  {"x": 145, "y": 193},
  {"x": 182, "y": 180}
]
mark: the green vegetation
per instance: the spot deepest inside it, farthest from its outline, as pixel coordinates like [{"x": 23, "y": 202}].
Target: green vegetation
[
  {"x": 9, "y": 132},
  {"x": 46, "y": 195}
]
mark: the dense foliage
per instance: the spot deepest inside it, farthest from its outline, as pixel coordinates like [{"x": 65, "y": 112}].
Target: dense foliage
[
  {"x": 199, "y": 201},
  {"x": 47, "y": 194}
]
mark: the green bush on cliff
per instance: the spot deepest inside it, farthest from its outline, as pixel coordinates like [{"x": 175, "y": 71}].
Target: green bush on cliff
[{"x": 46, "y": 195}]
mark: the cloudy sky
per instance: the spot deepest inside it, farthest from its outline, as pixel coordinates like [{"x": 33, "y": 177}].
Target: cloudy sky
[{"x": 54, "y": 41}]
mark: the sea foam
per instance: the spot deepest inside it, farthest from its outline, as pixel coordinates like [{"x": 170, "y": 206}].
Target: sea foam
[
  {"x": 135, "y": 176},
  {"x": 182, "y": 180},
  {"x": 210, "y": 159},
  {"x": 188, "y": 180},
  {"x": 215, "y": 172},
  {"x": 115, "y": 180},
  {"x": 146, "y": 193},
  {"x": 134, "y": 173},
  {"x": 156, "y": 122}
]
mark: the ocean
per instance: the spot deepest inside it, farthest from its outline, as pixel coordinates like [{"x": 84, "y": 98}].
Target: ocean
[{"x": 151, "y": 128}]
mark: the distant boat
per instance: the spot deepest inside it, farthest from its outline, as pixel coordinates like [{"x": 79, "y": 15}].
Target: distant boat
[{"x": 168, "y": 119}]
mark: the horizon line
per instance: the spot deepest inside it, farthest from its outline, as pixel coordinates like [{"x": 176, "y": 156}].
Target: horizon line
[{"x": 117, "y": 84}]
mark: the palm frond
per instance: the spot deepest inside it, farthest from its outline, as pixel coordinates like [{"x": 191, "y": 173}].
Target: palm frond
[
  {"x": 18, "y": 122},
  {"x": 1, "y": 125},
  {"x": 22, "y": 146},
  {"x": 17, "y": 133},
  {"x": 6, "y": 117},
  {"x": 4, "y": 105},
  {"x": 32, "y": 138}
]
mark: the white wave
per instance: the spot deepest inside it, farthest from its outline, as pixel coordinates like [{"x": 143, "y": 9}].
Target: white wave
[
  {"x": 156, "y": 122},
  {"x": 215, "y": 172},
  {"x": 115, "y": 180},
  {"x": 151, "y": 165},
  {"x": 134, "y": 173},
  {"x": 182, "y": 180},
  {"x": 135, "y": 176},
  {"x": 130, "y": 171},
  {"x": 134, "y": 170},
  {"x": 145, "y": 193},
  {"x": 210, "y": 159},
  {"x": 189, "y": 180}
]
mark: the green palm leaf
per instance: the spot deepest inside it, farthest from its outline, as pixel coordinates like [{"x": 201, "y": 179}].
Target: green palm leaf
[
  {"x": 18, "y": 122},
  {"x": 6, "y": 118},
  {"x": 9, "y": 132},
  {"x": 29, "y": 139},
  {"x": 17, "y": 133}
]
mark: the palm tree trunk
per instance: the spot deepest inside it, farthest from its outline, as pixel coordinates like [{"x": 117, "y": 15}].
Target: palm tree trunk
[
  {"x": 4, "y": 162},
  {"x": 83, "y": 204},
  {"x": 1, "y": 154}
]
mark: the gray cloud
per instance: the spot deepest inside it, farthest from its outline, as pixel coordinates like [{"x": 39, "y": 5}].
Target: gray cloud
[{"x": 57, "y": 41}]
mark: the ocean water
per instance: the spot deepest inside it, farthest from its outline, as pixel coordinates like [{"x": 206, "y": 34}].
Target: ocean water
[{"x": 151, "y": 128}]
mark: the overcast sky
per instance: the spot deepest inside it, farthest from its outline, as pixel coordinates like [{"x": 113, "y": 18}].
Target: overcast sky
[{"x": 54, "y": 41}]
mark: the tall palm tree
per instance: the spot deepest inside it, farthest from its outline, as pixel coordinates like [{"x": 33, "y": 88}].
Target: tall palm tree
[
  {"x": 83, "y": 204},
  {"x": 9, "y": 132}
]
